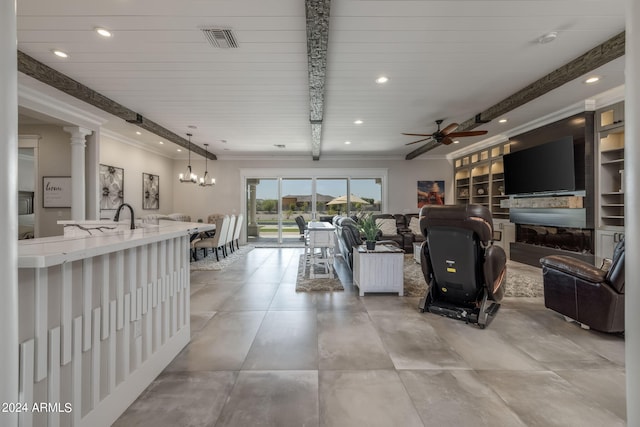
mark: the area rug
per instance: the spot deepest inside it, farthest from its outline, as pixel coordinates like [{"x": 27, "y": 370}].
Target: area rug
[
  {"x": 305, "y": 284},
  {"x": 209, "y": 263},
  {"x": 522, "y": 280}
]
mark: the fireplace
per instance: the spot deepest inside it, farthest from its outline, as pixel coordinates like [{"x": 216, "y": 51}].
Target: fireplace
[
  {"x": 536, "y": 241},
  {"x": 563, "y": 238}
]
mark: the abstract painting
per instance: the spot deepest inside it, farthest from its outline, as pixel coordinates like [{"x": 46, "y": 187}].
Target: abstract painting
[
  {"x": 150, "y": 191},
  {"x": 112, "y": 185},
  {"x": 430, "y": 193}
]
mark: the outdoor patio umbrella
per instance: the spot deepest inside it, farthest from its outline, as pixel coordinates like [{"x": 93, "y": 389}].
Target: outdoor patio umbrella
[{"x": 342, "y": 200}]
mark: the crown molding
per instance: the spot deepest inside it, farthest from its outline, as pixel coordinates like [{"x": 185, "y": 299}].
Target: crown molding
[
  {"x": 132, "y": 142},
  {"x": 36, "y": 100}
]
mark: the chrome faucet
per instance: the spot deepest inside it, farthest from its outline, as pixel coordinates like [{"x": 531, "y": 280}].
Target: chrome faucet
[{"x": 117, "y": 217}]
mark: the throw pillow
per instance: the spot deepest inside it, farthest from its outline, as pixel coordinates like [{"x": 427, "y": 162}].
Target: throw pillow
[
  {"x": 414, "y": 225},
  {"x": 387, "y": 226}
]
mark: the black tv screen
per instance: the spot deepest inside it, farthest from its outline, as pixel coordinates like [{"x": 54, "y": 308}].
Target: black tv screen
[{"x": 544, "y": 168}]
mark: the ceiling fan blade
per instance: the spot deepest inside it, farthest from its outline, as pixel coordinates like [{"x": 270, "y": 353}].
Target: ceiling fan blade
[
  {"x": 467, "y": 133},
  {"x": 446, "y": 140},
  {"x": 420, "y": 140},
  {"x": 449, "y": 129},
  {"x": 418, "y": 134}
]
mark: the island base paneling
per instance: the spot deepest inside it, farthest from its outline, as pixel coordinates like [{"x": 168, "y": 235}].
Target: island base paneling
[{"x": 95, "y": 332}]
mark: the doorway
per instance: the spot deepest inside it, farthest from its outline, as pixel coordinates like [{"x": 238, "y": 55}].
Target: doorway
[{"x": 28, "y": 187}]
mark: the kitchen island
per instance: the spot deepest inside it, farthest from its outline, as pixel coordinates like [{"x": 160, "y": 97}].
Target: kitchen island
[{"x": 100, "y": 318}]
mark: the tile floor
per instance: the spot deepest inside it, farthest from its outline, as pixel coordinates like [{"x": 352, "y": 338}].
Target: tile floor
[{"x": 262, "y": 354}]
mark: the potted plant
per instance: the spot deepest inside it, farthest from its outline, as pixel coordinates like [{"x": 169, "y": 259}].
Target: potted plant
[{"x": 369, "y": 228}]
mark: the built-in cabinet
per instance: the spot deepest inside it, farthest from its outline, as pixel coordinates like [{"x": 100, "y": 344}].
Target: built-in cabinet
[
  {"x": 479, "y": 179},
  {"x": 610, "y": 178}
]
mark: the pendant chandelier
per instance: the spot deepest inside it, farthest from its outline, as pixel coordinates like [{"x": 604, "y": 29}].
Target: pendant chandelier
[
  {"x": 188, "y": 176},
  {"x": 206, "y": 180}
]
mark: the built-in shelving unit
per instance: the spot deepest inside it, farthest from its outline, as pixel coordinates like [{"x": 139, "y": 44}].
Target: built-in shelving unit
[
  {"x": 479, "y": 179},
  {"x": 462, "y": 186},
  {"x": 497, "y": 190},
  {"x": 610, "y": 181}
]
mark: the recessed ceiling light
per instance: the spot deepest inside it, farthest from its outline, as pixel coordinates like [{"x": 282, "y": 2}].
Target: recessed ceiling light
[
  {"x": 138, "y": 132},
  {"x": 548, "y": 38},
  {"x": 179, "y": 150},
  {"x": 60, "y": 54},
  {"x": 502, "y": 121},
  {"x": 103, "y": 32},
  {"x": 160, "y": 142},
  {"x": 347, "y": 142},
  {"x": 456, "y": 142},
  {"x": 592, "y": 80},
  {"x": 358, "y": 122},
  {"x": 382, "y": 79}
]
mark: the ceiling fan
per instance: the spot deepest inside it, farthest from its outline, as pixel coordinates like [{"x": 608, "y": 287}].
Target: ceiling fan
[{"x": 446, "y": 135}]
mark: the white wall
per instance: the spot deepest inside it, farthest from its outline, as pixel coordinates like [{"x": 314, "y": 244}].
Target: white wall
[
  {"x": 135, "y": 161},
  {"x": 226, "y": 196}
]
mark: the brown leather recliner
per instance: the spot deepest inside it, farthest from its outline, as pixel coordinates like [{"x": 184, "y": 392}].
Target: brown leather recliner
[
  {"x": 591, "y": 296},
  {"x": 399, "y": 234},
  {"x": 464, "y": 270}
]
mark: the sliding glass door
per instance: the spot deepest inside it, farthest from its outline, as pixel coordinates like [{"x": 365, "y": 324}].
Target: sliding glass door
[
  {"x": 296, "y": 200},
  {"x": 262, "y": 210},
  {"x": 331, "y": 198},
  {"x": 366, "y": 195},
  {"x": 272, "y": 203}
]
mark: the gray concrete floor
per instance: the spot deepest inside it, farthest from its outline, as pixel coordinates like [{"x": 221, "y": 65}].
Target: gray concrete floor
[{"x": 262, "y": 354}]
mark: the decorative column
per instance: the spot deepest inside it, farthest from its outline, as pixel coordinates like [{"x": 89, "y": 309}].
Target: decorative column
[
  {"x": 632, "y": 207},
  {"x": 252, "y": 227},
  {"x": 78, "y": 195},
  {"x": 9, "y": 365},
  {"x": 92, "y": 162}
]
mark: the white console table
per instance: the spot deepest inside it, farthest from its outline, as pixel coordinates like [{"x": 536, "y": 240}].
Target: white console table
[{"x": 380, "y": 270}]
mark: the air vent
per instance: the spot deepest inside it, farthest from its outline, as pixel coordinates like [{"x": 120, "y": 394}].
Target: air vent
[
  {"x": 279, "y": 145},
  {"x": 220, "y": 38}
]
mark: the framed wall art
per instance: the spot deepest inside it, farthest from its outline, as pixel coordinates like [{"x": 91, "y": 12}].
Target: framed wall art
[
  {"x": 112, "y": 185},
  {"x": 430, "y": 193},
  {"x": 150, "y": 191},
  {"x": 56, "y": 191}
]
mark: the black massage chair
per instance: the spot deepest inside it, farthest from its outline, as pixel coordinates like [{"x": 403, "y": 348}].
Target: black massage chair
[{"x": 464, "y": 270}]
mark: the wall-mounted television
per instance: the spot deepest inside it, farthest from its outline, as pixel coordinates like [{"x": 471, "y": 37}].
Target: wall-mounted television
[{"x": 549, "y": 167}]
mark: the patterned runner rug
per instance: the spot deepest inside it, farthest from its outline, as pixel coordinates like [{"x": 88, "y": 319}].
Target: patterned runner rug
[{"x": 305, "y": 284}]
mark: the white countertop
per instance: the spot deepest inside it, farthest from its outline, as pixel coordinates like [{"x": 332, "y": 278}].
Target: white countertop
[{"x": 48, "y": 251}]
